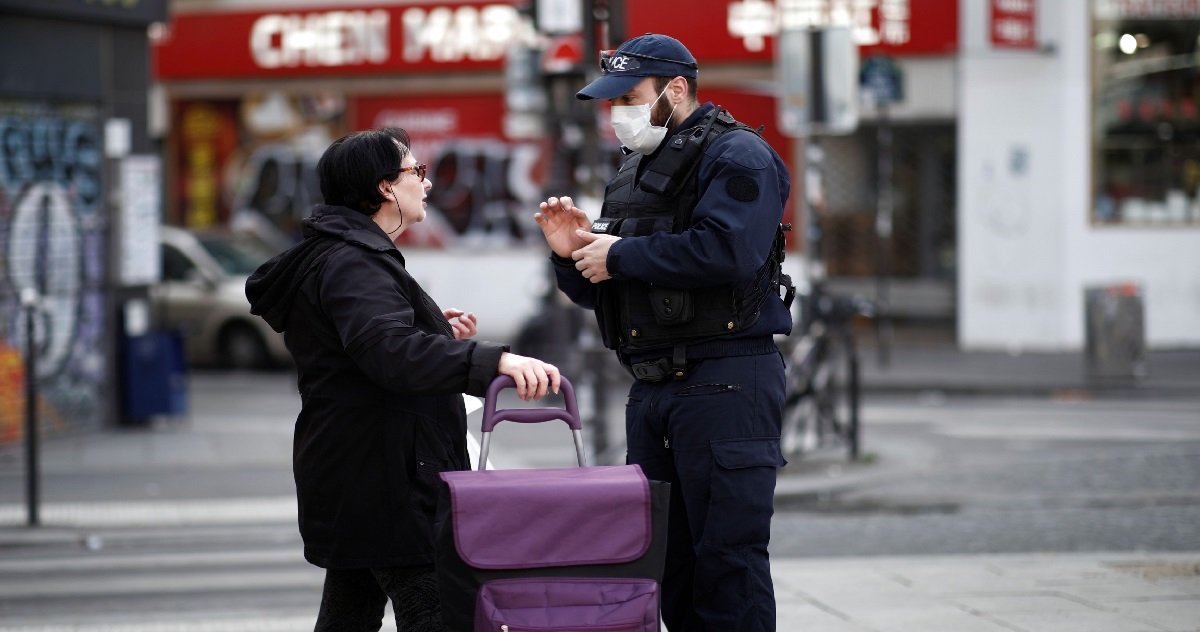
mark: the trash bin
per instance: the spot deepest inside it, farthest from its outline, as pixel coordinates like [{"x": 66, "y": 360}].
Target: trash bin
[
  {"x": 155, "y": 376},
  {"x": 1115, "y": 330}
]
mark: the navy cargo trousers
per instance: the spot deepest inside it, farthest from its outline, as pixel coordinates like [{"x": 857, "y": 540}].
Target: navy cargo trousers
[{"x": 714, "y": 435}]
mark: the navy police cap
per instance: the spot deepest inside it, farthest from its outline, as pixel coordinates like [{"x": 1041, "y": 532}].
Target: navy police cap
[{"x": 649, "y": 55}]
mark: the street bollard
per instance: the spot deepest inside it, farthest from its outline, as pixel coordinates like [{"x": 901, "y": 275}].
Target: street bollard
[
  {"x": 597, "y": 356},
  {"x": 29, "y": 300}
]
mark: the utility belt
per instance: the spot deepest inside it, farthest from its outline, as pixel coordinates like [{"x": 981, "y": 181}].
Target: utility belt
[{"x": 680, "y": 359}]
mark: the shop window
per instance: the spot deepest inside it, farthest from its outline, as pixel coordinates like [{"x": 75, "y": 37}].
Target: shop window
[
  {"x": 1146, "y": 129},
  {"x": 922, "y": 243}
]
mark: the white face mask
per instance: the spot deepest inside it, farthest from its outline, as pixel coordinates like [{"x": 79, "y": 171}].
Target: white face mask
[{"x": 632, "y": 125}]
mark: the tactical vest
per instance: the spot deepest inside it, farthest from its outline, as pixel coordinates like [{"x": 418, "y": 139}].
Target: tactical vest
[{"x": 635, "y": 315}]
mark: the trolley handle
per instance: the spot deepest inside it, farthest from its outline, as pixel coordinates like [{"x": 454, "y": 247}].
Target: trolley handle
[{"x": 491, "y": 416}]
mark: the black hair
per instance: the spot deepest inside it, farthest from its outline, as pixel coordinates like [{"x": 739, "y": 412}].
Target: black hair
[{"x": 352, "y": 167}]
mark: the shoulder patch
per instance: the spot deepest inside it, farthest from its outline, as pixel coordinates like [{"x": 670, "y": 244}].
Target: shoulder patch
[
  {"x": 742, "y": 188},
  {"x": 742, "y": 148}
]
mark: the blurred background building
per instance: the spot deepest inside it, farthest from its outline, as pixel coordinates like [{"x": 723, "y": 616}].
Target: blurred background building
[
  {"x": 74, "y": 76},
  {"x": 1077, "y": 168},
  {"x": 256, "y": 90},
  {"x": 1009, "y": 155}
]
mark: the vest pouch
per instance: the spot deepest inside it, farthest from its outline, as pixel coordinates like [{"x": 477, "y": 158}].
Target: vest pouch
[
  {"x": 562, "y": 604},
  {"x": 657, "y": 183},
  {"x": 673, "y": 166},
  {"x": 671, "y": 306},
  {"x": 607, "y": 316},
  {"x": 706, "y": 313}
]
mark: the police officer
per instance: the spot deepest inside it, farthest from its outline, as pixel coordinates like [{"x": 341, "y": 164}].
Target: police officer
[{"x": 682, "y": 269}]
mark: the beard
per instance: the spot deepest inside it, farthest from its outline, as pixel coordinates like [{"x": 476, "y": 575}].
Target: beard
[{"x": 660, "y": 116}]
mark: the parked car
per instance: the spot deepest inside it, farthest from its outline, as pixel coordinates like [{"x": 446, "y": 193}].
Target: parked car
[{"x": 203, "y": 295}]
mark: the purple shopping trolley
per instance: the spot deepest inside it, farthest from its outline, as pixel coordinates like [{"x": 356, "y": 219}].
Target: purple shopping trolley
[{"x": 564, "y": 549}]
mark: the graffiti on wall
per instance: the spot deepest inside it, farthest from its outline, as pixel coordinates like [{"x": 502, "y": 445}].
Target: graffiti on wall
[
  {"x": 485, "y": 188},
  {"x": 277, "y": 182},
  {"x": 481, "y": 190},
  {"x": 485, "y": 185},
  {"x": 52, "y": 245}
]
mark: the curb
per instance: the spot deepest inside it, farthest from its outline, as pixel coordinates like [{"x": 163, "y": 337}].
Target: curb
[
  {"x": 1032, "y": 390},
  {"x": 69, "y": 522},
  {"x": 815, "y": 477}
]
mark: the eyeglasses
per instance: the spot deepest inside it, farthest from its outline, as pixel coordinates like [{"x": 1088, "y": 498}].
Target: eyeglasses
[
  {"x": 420, "y": 170},
  {"x": 618, "y": 61}
]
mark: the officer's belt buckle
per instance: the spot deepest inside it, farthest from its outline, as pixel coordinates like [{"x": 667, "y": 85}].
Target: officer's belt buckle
[{"x": 651, "y": 370}]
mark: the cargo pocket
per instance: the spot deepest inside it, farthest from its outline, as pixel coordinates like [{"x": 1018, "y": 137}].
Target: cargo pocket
[
  {"x": 567, "y": 603},
  {"x": 743, "y": 485}
]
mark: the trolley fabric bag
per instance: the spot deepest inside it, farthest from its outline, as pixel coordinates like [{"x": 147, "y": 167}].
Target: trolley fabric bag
[{"x": 564, "y": 549}]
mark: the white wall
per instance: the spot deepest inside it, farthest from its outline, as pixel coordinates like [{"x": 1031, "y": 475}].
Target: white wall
[
  {"x": 502, "y": 286},
  {"x": 928, "y": 91},
  {"x": 1012, "y": 266},
  {"x": 1027, "y": 247}
]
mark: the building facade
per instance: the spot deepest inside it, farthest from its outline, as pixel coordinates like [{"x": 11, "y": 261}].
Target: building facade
[
  {"x": 73, "y": 75},
  {"x": 1078, "y": 169},
  {"x": 1016, "y": 161},
  {"x": 486, "y": 93}
]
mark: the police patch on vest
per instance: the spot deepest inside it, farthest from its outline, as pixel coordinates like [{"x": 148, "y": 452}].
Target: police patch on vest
[{"x": 742, "y": 188}]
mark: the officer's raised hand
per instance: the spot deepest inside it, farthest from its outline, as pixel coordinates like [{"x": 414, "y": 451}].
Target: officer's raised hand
[
  {"x": 592, "y": 259},
  {"x": 559, "y": 220}
]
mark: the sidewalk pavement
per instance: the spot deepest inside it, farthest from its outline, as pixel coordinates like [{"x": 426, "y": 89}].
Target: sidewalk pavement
[
  {"x": 1093, "y": 592},
  {"x": 944, "y": 368},
  {"x": 1084, "y": 592}
]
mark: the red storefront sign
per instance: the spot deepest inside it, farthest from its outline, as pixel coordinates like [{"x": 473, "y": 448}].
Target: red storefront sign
[
  {"x": 339, "y": 40},
  {"x": 434, "y": 118},
  {"x": 365, "y": 38},
  {"x": 1014, "y": 24},
  {"x": 738, "y": 30}
]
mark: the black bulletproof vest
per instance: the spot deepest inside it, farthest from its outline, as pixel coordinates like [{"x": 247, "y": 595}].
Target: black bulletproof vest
[{"x": 635, "y": 315}]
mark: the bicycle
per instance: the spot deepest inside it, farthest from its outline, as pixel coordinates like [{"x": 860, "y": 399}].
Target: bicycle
[{"x": 821, "y": 405}]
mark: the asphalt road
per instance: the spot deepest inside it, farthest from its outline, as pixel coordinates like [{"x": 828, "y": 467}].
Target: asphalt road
[
  {"x": 942, "y": 476},
  {"x": 979, "y": 475}
]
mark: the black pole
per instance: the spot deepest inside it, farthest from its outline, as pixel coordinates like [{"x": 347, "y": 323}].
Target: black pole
[
  {"x": 615, "y": 25},
  {"x": 884, "y": 221},
  {"x": 597, "y": 31},
  {"x": 816, "y": 52},
  {"x": 31, "y": 425},
  {"x": 594, "y": 14}
]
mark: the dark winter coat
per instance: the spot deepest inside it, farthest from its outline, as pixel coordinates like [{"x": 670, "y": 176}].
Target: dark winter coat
[{"x": 380, "y": 379}]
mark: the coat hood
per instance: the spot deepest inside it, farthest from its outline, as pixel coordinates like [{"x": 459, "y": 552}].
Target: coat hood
[{"x": 273, "y": 286}]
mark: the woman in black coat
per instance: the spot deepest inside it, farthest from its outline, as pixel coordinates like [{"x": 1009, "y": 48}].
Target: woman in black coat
[{"x": 381, "y": 370}]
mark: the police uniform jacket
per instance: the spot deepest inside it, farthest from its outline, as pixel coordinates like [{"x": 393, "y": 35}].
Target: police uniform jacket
[
  {"x": 742, "y": 188},
  {"x": 380, "y": 378}
]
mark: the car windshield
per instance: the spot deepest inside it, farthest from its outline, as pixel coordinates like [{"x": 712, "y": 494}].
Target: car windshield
[{"x": 237, "y": 256}]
